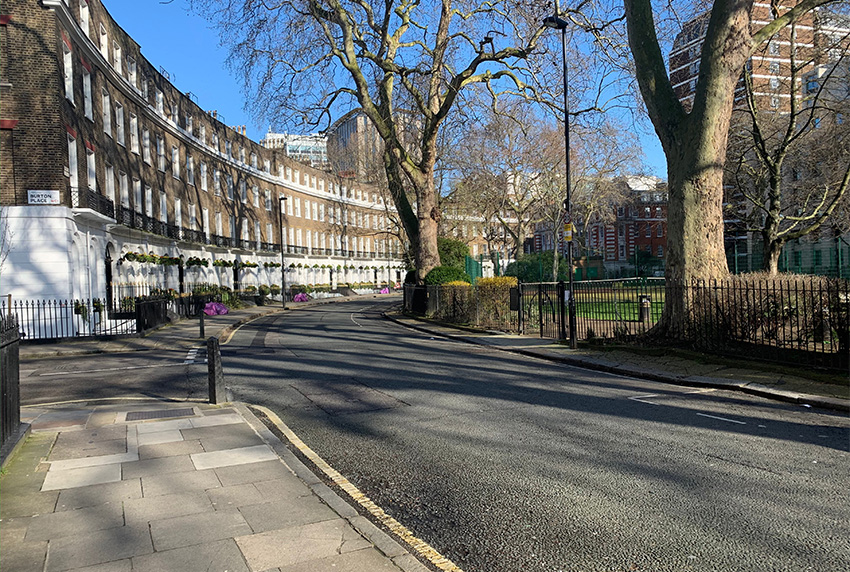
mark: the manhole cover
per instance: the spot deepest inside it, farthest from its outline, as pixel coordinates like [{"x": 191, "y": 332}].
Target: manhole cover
[{"x": 159, "y": 414}]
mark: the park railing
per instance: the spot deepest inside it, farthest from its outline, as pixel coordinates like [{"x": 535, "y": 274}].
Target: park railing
[{"x": 790, "y": 319}]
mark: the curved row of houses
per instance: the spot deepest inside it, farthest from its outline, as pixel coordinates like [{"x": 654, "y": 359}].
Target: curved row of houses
[{"x": 102, "y": 156}]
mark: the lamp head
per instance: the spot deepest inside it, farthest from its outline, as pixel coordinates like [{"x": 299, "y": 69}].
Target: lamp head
[{"x": 555, "y": 22}]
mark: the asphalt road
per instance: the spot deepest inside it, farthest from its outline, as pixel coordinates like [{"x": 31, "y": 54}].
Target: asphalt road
[
  {"x": 505, "y": 463},
  {"x": 161, "y": 374}
]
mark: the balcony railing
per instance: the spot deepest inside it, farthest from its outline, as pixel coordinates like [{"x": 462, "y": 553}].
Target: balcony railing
[{"x": 84, "y": 198}]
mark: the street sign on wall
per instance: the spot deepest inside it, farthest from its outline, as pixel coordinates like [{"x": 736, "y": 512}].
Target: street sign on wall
[{"x": 43, "y": 197}]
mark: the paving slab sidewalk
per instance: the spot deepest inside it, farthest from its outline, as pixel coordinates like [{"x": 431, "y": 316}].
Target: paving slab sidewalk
[
  {"x": 667, "y": 369},
  {"x": 175, "y": 496}
]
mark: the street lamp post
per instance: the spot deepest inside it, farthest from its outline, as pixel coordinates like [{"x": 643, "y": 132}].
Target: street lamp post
[
  {"x": 282, "y": 201},
  {"x": 556, "y": 22}
]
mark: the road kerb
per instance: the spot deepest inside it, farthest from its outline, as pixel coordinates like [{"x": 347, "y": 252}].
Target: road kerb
[{"x": 399, "y": 530}]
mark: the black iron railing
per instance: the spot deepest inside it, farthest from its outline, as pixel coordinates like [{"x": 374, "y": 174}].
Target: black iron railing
[
  {"x": 56, "y": 319},
  {"x": 10, "y": 402},
  {"x": 85, "y": 198},
  {"x": 801, "y": 320}
]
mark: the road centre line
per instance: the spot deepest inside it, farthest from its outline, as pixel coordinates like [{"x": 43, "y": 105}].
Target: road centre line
[
  {"x": 721, "y": 418},
  {"x": 642, "y": 397}
]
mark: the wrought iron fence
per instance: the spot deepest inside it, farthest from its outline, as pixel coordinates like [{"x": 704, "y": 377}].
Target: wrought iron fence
[
  {"x": 607, "y": 309},
  {"x": 10, "y": 402},
  {"x": 787, "y": 319},
  {"x": 802, "y": 320},
  {"x": 55, "y": 319}
]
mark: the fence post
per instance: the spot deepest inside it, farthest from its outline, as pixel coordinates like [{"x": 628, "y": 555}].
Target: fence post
[
  {"x": 216, "y": 374},
  {"x": 562, "y": 326},
  {"x": 521, "y": 314},
  {"x": 202, "y": 324},
  {"x": 540, "y": 307},
  {"x": 10, "y": 423}
]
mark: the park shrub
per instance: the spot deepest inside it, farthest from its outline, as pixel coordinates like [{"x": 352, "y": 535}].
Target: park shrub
[
  {"x": 494, "y": 296},
  {"x": 445, "y": 274},
  {"x": 452, "y": 252},
  {"x": 785, "y": 309}
]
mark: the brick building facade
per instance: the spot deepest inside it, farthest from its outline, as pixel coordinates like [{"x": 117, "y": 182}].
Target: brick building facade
[{"x": 102, "y": 155}]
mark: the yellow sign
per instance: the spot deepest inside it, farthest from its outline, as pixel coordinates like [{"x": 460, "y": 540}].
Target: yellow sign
[{"x": 568, "y": 232}]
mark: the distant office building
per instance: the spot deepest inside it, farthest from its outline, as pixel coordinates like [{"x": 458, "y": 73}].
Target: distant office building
[{"x": 308, "y": 149}]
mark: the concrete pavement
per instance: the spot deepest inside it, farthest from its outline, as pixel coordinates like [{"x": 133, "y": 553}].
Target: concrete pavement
[{"x": 164, "y": 486}]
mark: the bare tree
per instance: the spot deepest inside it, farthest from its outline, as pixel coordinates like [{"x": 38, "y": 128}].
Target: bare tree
[
  {"x": 6, "y": 237},
  {"x": 307, "y": 56},
  {"x": 695, "y": 141},
  {"x": 791, "y": 166}
]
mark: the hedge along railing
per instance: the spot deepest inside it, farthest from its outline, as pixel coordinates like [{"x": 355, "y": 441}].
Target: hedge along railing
[
  {"x": 10, "y": 402},
  {"x": 486, "y": 305}
]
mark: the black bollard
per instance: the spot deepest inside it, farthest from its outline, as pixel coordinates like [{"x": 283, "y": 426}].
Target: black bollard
[{"x": 217, "y": 393}]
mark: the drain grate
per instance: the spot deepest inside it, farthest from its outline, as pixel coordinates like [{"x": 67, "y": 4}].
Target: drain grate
[{"x": 160, "y": 414}]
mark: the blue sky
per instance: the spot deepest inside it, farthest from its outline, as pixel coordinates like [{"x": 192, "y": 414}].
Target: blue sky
[{"x": 189, "y": 50}]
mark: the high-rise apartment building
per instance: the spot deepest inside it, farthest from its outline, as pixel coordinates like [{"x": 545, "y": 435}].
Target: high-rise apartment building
[{"x": 810, "y": 43}]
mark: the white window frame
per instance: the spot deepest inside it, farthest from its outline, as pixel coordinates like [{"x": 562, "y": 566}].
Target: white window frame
[
  {"x": 243, "y": 191},
  {"x": 106, "y": 110},
  {"x": 134, "y": 133},
  {"x": 116, "y": 57},
  {"x": 160, "y": 153},
  {"x": 91, "y": 169},
  {"x": 217, "y": 182},
  {"x": 119, "y": 123},
  {"x": 104, "y": 42},
  {"x": 146, "y": 145},
  {"x": 88, "y": 107},
  {"x": 160, "y": 103},
  {"x": 163, "y": 207},
  {"x": 148, "y": 201},
  {"x": 205, "y": 221},
  {"x": 190, "y": 170},
  {"x": 178, "y": 212},
  {"x": 137, "y": 195},
  {"x": 124, "y": 189},
  {"x": 175, "y": 161},
  {"x": 68, "y": 71},
  {"x": 131, "y": 71},
  {"x": 255, "y": 196},
  {"x": 85, "y": 18},
  {"x": 110, "y": 182},
  {"x": 204, "y": 176},
  {"x": 219, "y": 225},
  {"x": 267, "y": 195},
  {"x": 230, "y": 186}
]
